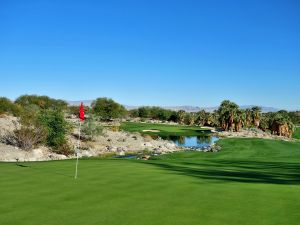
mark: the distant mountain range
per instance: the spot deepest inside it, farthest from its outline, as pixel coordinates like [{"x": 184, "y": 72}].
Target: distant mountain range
[
  {"x": 177, "y": 108},
  {"x": 207, "y": 109}
]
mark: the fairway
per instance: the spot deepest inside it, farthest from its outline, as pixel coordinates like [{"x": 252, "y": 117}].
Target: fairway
[
  {"x": 297, "y": 133},
  {"x": 164, "y": 129},
  {"x": 251, "y": 181}
]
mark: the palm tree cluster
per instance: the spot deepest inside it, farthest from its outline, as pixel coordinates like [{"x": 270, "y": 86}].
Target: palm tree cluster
[
  {"x": 228, "y": 117},
  {"x": 278, "y": 123},
  {"x": 232, "y": 117}
]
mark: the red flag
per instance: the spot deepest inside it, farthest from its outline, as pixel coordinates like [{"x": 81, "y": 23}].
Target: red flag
[{"x": 81, "y": 112}]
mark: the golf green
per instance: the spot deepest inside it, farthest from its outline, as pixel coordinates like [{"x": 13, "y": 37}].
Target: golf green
[
  {"x": 164, "y": 129},
  {"x": 251, "y": 181}
]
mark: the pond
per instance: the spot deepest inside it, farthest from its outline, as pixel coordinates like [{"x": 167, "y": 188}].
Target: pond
[{"x": 196, "y": 142}]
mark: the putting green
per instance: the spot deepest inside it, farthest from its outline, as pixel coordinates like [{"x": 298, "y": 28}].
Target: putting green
[
  {"x": 163, "y": 129},
  {"x": 251, "y": 181}
]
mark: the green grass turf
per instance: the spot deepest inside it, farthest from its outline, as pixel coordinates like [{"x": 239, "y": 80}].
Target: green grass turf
[
  {"x": 251, "y": 181},
  {"x": 297, "y": 133},
  {"x": 165, "y": 130}
]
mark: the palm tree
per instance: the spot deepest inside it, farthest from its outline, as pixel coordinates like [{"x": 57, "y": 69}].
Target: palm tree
[
  {"x": 227, "y": 112},
  {"x": 265, "y": 122},
  {"x": 210, "y": 119},
  {"x": 256, "y": 114},
  {"x": 189, "y": 119},
  {"x": 201, "y": 119},
  {"x": 239, "y": 119},
  {"x": 181, "y": 116},
  {"x": 215, "y": 119},
  {"x": 249, "y": 119},
  {"x": 282, "y": 124}
]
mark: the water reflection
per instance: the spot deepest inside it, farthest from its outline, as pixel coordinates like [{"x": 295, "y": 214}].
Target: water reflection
[{"x": 194, "y": 141}]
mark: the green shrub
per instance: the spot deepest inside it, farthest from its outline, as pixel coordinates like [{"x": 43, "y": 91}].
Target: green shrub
[
  {"x": 90, "y": 129},
  {"x": 42, "y": 102},
  {"x": 8, "y": 107},
  {"x": 108, "y": 109},
  {"x": 57, "y": 128}
]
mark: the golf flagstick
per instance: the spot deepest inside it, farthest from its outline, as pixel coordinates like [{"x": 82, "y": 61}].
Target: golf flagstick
[
  {"x": 81, "y": 119},
  {"x": 77, "y": 150}
]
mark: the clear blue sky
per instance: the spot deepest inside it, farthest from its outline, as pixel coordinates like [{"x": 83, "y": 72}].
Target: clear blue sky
[{"x": 154, "y": 52}]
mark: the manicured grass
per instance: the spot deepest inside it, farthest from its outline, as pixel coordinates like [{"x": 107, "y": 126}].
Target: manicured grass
[
  {"x": 251, "y": 181},
  {"x": 164, "y": 130},
  {"x": 297, "y": 133}
]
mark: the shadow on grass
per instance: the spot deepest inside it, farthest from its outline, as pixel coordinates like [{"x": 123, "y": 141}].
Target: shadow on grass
[
  {"x": 236, "y": 171},
  {"x": 23, "y": 166},
  {"x": 45, "y": 171}
]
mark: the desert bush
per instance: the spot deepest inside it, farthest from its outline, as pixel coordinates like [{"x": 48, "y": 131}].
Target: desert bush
[
  {"x": 25, "y": 137},
  {"x": 91, "y": 129},
  {"x": 57, "y": 128},
  {"x": 7, "y": 106},
  {"x": 64, "y": 149}
]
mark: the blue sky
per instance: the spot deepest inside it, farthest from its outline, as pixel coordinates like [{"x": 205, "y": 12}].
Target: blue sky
[{"x": 153, "y": 52}]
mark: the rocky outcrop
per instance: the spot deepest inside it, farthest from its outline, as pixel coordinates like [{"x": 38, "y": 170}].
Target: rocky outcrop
[
  {"x": 118, "y": 142},
  {"x": 12, "y": 154},
  {"x": 255, "y": 133}
]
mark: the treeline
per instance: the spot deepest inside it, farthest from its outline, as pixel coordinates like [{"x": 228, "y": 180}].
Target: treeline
[
  {"x": 30, "y": 103},
  {"x": 229, "y": 115},
  {"x": 232, "y": 117}
]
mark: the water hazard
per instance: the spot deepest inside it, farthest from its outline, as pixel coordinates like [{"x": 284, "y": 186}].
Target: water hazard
[{"x": 197, "y": 142}]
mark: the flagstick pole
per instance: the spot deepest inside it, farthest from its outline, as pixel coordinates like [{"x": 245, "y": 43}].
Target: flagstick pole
[{"x": 78, "y": 146}]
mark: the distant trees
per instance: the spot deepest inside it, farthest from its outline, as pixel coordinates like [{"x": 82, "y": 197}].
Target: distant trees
[
  {"x": 249, "y": 117},
  {"x": 189, "y": 119},
  {"x": 108, "y": 109},
  {"x": 229, "y": 116},
  {"x": 279, "y": 123},
  {"x": 180, "y": 116},
  {"x": 201, "y": 118},
  {"x": 227, "y": 112},
  {"x": 74, "y": 110},
  {"x": 41, "y": 102},
  {"x": 144, "y": 112},
  {"x": 155, "y": 113},
  {"x": 256, "y": 114},
  {"x": 295, "y": 117},
  {"x": 8, "y": 107}
]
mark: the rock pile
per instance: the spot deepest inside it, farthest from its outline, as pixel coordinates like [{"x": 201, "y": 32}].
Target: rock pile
[{"x": 251, "y": 133}]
